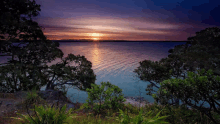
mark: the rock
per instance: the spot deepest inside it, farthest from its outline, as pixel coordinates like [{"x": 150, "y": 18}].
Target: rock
[
  {"x": 45, "y": 94},
  {"x": 8, "y": 105},
  {"x": 70, "y": 105},
  {"x": 135, "y": 103},
  {"x": 20, "y": 94},
  {"x": 136, "y": 99},
  {"x": 53, "y": 95}
]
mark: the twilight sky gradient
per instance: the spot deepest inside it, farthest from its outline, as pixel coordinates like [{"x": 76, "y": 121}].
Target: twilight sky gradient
[{"x": 154, "y": 20}]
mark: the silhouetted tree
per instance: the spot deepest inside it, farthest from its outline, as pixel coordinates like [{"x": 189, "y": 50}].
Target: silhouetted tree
[
  {"x": 201, "y": 51},
  {"x": 16, "y": 23},
  {"x": 173, "y": 76},
  {"x": 28, "y": 52}
]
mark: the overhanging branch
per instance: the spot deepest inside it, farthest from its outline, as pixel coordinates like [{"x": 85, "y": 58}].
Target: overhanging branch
[{"x": 154, "y": 84}]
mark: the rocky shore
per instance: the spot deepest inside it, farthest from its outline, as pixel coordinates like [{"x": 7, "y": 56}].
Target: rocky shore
[{"x": 136, "y": 101}]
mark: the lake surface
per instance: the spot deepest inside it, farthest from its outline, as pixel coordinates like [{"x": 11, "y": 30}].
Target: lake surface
[{"x": 115, "y": 62}]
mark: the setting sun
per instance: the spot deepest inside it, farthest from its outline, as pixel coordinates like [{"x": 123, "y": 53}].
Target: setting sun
[
  {"x": 95, "y": 36},
  {"x": 95, "y": 39}
]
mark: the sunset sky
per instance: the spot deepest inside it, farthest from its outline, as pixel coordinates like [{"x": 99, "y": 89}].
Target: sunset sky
[{"x": 154, "y": 20}]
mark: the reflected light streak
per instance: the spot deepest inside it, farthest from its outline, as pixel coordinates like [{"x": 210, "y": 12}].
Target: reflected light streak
[{"x": 96, "y": 55}]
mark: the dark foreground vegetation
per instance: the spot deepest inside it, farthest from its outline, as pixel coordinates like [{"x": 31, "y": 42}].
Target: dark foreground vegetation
[
  {"x": 185, "y": 85},
  {"x": 44, "y": 113}
]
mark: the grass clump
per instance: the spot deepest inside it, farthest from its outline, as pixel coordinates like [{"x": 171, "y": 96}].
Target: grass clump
[{"x": 46, "y": 115}]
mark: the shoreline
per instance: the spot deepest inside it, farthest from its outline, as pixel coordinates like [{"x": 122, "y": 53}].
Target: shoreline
[{"x": 135, "y": 101}]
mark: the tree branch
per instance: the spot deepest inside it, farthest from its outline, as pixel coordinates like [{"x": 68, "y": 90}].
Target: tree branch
[{"x": 154, "y": 84}]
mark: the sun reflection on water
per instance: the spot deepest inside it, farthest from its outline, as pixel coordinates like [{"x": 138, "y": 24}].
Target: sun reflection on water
[{"x": 96, "y": 55}]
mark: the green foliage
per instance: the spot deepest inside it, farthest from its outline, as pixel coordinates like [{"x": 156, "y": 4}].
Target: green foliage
[
  {"x": 16, "y": 21},
  {"x": 149, "y": 70},
  {"x": 29, "y": 52},
  {"x": 46, "y": 115},
  {"x": 178, "y": 114},
  {"x": 23, "y": 42},
  {"x": 178, "y": 74},
  {"x": 207, "y": 37},
  {"x": 26, "y": 67},
  {"x": 131, "y": 109},
  {"x": 32, "y": 97},
  {"x": 174, "y": 115},
  {"x": 18, "y": 76},
  {"x": 125, "y": 119},
  {"x": 74, "y": 69},
  {"x": 197, "y": 90},
  {"x": 112, "y": 97},
  {"x": 200, "y": 52}
]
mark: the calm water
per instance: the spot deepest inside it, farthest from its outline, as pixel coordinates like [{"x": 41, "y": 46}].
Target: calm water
[{"x": 116, "y": 61}]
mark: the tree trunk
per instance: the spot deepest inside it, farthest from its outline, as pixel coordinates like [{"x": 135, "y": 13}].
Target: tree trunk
[{"x": 50, "y": 86}]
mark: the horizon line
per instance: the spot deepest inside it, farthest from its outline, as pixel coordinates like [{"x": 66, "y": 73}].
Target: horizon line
[{"x": 86, "y": 40}]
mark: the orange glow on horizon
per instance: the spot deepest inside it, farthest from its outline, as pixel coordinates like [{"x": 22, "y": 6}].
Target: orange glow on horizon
[
  {"x": 109, "y": 28},
  {"x": 95, "y": 39},
  {"x": 95, "y": 36}
]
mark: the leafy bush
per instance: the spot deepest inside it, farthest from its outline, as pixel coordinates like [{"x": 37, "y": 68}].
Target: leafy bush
[
  {"x": 112, "y": 97},
  {"x": 178, "y": 114},
  {"x": 196, "y": 91},
  {"x": 132, "y": 109},
  {"x": 32, "y": 98},
  {"x": 46, "y": 115}
]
